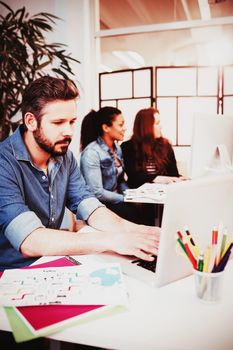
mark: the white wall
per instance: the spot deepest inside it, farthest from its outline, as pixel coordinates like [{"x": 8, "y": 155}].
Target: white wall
[{"x": 76, "y": 30}]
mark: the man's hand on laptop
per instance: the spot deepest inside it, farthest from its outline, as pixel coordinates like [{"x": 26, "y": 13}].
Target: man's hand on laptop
[{"x": 142, "y": 243}]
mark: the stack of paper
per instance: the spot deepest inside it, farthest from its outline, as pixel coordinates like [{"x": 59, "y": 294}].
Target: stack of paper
[
  {"x": 147, "y": 193},
  {"x": 49, "y": 297}
]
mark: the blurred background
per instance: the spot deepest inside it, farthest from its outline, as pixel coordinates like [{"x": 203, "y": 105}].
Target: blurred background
[
  {"x": 176, "y": 55},
  {"x": 165, "y": 32}
]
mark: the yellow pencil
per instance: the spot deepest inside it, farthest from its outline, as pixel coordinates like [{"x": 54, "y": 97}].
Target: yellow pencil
[
  {"x": 224, "y": 239},
  {"x": 219, "y": 243},
  {"x": 213, "y": 251},
  {"x": 194, "y": 247},
  {"x": 227, "y": 245},
  {"x": 206, "y": 259}
]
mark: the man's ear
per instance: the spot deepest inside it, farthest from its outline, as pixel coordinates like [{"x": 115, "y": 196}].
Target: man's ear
[{"x": 30, "y": 121}]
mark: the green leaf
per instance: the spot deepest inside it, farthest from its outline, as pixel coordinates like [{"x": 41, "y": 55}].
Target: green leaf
[
  {"x": 8, "y": 7},
  {"x": 26, "y": 54}
]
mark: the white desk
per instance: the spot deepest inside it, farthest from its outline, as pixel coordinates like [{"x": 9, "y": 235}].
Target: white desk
[{"x": 168, "y": 318}]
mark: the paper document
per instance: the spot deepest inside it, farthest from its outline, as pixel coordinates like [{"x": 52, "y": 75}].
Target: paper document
[
  {"x": 148, "y": 193},
  {"x": 70, "y": 285},
  {"x": 29, "y": 322}
]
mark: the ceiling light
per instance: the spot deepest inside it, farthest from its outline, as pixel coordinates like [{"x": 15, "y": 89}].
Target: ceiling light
[
  {"x": 131, "y": 59},
  {"x": 204, "y": 9}
]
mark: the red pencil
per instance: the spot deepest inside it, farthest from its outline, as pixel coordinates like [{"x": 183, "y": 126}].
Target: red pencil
[
  {"x": 214, "y": 236},
  {"x": 190, "y": 255},
  {"x": 180, "y": 235}
]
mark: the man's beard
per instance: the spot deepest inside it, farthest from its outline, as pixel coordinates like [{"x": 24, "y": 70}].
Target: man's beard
[{"x": 47, "y": 146}]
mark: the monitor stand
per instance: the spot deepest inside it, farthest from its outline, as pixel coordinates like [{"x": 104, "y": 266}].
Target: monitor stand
[{"x": 221, "y": 161}]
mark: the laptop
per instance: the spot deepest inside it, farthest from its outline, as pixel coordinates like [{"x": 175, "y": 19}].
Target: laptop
[{"x": 199, "y": 205}]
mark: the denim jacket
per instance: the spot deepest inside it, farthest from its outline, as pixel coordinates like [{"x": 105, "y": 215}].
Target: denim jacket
[
  {"x": 29, "y": 199},
  {"x": 99, "y": 169}
]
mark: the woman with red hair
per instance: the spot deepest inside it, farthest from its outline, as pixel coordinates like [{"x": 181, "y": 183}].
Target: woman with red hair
[{"x": 148, "y": 156}]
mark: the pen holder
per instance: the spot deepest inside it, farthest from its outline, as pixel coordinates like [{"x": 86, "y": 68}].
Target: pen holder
[{"x": 209, "y": 285}]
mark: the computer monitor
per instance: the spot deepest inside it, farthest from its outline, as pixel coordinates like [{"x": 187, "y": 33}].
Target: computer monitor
[{"x": 212, "y": 144}]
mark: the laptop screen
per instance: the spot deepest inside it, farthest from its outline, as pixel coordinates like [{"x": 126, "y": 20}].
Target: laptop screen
[{"x": 200, "y": 205}]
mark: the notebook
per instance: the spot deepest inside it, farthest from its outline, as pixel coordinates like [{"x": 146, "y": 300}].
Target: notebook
[
  {"x": 198, "y": 204},
  {"x": 29, "y": 322}
]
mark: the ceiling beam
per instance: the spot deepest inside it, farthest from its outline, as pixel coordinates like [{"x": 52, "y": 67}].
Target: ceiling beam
[{"x": 160, "y": 27}]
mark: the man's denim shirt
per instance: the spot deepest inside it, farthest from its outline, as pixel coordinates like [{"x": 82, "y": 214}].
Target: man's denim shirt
[
  {"x": 29, "y": 199},
  {"x": 99, "y": 169}
]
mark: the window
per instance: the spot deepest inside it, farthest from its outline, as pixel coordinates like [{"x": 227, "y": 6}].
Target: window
[
  {"x": 178, "y": 93},
  {"x": 128, "y": 90}
]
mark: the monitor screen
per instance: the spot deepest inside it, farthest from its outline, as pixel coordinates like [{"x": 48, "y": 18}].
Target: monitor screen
[{"x": 212, "y": 144}]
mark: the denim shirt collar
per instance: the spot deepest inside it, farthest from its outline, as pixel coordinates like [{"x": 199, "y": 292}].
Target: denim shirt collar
[
  {"x": 19, "y": 148},
  {"x": 105, "y": 147}
]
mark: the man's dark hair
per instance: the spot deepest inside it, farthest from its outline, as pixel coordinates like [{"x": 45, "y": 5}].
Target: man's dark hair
[{"x": 44, "y": 90}]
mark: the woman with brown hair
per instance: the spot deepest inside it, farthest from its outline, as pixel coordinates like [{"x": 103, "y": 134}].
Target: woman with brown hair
[{"x": 148, "y": 156}]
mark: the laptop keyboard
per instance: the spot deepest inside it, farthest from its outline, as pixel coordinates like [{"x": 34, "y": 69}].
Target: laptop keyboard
[{"x": 149, "y": 265}]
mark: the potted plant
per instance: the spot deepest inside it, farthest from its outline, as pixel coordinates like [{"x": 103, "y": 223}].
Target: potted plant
[{"x": 25, "y": 55}]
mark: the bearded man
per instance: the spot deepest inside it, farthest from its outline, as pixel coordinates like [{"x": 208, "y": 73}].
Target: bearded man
[{"x": 40, "y": 177}]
